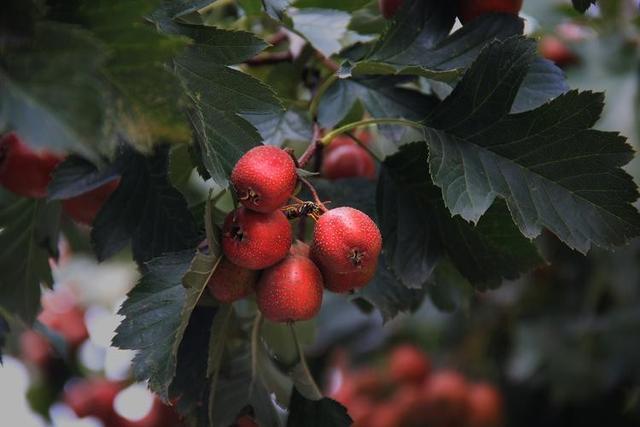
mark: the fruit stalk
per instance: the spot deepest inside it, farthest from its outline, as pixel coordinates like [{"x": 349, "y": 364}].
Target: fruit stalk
[
  {"x": 326, "y": 140},
  {"x": 317, "y": 394}
]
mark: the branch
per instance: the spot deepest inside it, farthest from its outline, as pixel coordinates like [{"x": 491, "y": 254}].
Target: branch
[{"x": 326, "y": 140}]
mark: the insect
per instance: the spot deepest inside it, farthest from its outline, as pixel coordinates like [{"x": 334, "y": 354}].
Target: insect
[{"x": 298, "y": 210}]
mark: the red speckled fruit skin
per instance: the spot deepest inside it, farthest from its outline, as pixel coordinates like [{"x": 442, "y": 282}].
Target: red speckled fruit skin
[
  {"x": 342, "y": 283},
  {"x": 348, "y": 161},
  {"x": 269, "y": 173},
  {"x": 388, "y": 8},
  {"x": 229, "y": 282},
  {"x": 290, "y": 290},
  {"x": 266, "y": 238},
  {"x": 471, "y": 9},
  {"x": 24, "y": 171},
  {"x": 93, "y": 397},
  {"x": 339, "y": 234},
  {"x": 485, "y": 406},
  {"x": 409, "y": 365},
  {"x": 446, "y": 397},
  {"x": 84, "y": 207}
]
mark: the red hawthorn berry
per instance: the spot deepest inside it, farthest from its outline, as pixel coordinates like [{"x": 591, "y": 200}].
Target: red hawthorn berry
[
  {"x": 410, "y": 404},
  {"x": 389, "y": 8},
  {"x": 255, "y": 240},
  {"x": 246, "y": 421},
  {"x": 346, "y": 240},
  {"x": 367, "y": 382},
  {"x": 471, "y": 9},
  {"x": 264, "y": 178},
  {"x": 409, "y": 365},
  {"x": 93, "y": 397},
  {"x": 485, "y": 406},
  {"x": 229, "y": 282},
  {"x": 35, "y": 349},
  {"x": 24, "y": 171},
  {"x": 300, "y": 248},
  {"x": 385, "y": 415},
  {"x": 84, "y": 207},
  {"x": 360, "y": 411},
  {"x": 556, "y": 50},
  {"x": 348, "y": 161},
  {"x": 446, "y": 398},
  {"x": 342, "y": 283},
  {"x": 290, "y": 290},
  {"x": 67, "y": 321}
]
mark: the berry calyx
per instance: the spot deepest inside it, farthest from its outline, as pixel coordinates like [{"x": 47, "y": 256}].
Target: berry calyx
[
  {"x": 471, "y": 9},
  {"x": 485, "y": 406},
  {"x": 290, "y": 290},
  {"x": 264, "y": 178},
  {"x": 84, "y": 207},
  {"x": 389, "y": 8},
  {"x": 346, "y": 240},
  {"x": 255, "y": 240},
  {"x": 230, "y": 282},
  {"x": 24, "y": 171},
  {"x": 409, "y": 365},
  {"x": 348, "y": 161}
]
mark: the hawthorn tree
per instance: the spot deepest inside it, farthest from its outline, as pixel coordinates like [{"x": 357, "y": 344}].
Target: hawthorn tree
[{"x": 480, "y": 147}]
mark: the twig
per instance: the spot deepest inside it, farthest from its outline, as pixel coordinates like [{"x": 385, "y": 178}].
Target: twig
[
  {"x": 314, "y": 193},
  {"x": 311, "y": 149},
  {"x": 269, "y": 58}
]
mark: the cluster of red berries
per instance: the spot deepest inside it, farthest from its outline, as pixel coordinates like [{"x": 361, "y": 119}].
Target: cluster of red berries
[
  {"x": 344, "y": 158},
  {"x": 468, "y": 10},
  {"x": 27, "y": 172},
  {"x": 62, "y": 315},
  {"x": 257, "y": 243},
  {"x": 95, "y": 397},
  {"x": 409, "y": 394}
]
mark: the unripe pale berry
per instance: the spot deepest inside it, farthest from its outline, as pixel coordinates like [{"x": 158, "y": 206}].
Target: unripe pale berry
[
  {"x": 345, "y": 282},
  {"x": 229, "y": 282},
  {"x": 389, "y": 8},
  {"x": 348, "y": 161},
  {"x": 255, "y": 240},
  {"x": 485, "y": 406},
  {"x": 346, "y": 240},
  {"x": 471, "y": 9},
  {"x": 264, "y": 178},
  {"x": 408, "y": 365},
  {"x": 24, "y": 171},
  {"x": 290, "y": 290},
  {"x": 84, "y": 207}
]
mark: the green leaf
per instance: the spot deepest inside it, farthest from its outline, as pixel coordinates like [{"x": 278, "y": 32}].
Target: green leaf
[
  {"x": 278, "y": 339},
  {"x": 380, "y": 96},
  {"x": 582, "y": 5},
  {"x": 220, "y": 331},
  {"x": 24, "y": 260},
  {"x": 70, "y": 117},
  {"x": 75, "y": 176},
  {"x": 150, "y": 98},
  {"x": 157, "y": 312},
  {"x": 221, "y": 95},
  {"x": 448, "y": 289},
  {"x": 146, "y": 210},
  {"x": 323, "y": 28},
  {"x": 289, "y": 125},
  {"x": 316, "y": 413},
  {"x": 190, "y": 387},
  {"x": 4, "y": 332},
  {"x": 551, "y": 168},
  {"x": 485, "y": 254}
]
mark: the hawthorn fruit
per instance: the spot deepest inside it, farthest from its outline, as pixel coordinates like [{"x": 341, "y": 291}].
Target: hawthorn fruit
[
  {"x": 230, "y": 282},
  {"x": 255, "y": 240},
  {"x": 264, "y": 178},
  {"x": 300, "y": 248},
  {"x": 346, "y": 240},
  {"x": 389, "y": 8},
  {"x": 446, "y": 398},
  {"x": 469, "y": 10},
  {"x": 554, "y": 49},
  {"x": 345, "y": 282},
  {"x": 24, "y": 171},
  {"x": 348, "y": 161},
  {"x": 409, "y": 365},
  {"x": 93, "y": 397},
  {"x": 84, "y": 207},
  {"x": 485, "y": 406},
  {"x": 290, "y": 290}
]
